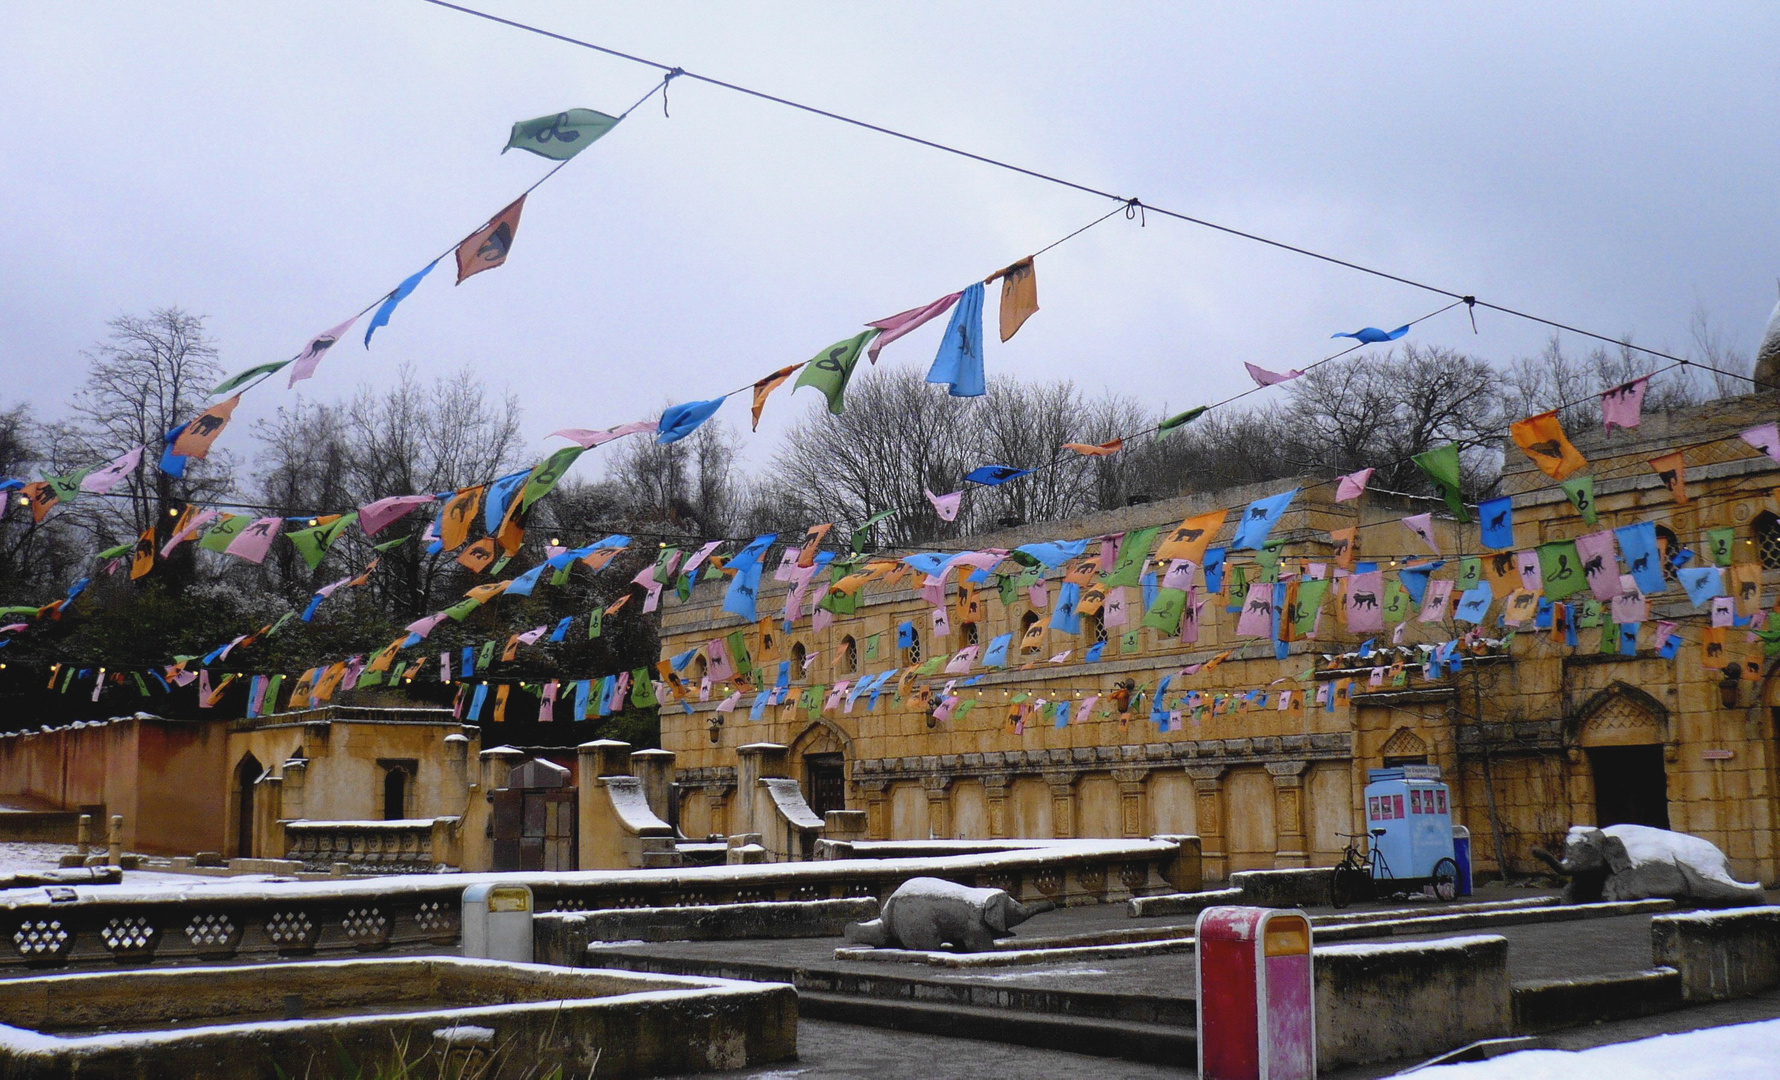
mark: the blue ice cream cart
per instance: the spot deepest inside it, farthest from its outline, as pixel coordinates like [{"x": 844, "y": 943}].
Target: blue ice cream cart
[{"x": 1408, "y": 835}]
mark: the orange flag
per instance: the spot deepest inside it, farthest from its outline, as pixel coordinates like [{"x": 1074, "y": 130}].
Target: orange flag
[
  {"x": 487, "y": 247},
  {"x": 1019, "y": 295},
  {"x": 478, "y": 556},
  {"x": 1347, "y": 546},
  {"x": 143, "y": 559},
  {"x": 195, "y": 440},
  {"x": 1190, "y": 539},
  {"x": 454, "y": 527},
  {"x": 482, "y": 594},
  {"x": 511, "y": 534},
  {"x": 768, "y": 385},
  {"x": 1542, "y": 438},
  {"x": 618, "y": 605},
  {"x": 597, "y": 560},
  {"x": 1100, "y": 450},
  {"x": 41, "y": 495},
  {"x": 807, "y": 556},
  {"x": 1671, "y": 469}
]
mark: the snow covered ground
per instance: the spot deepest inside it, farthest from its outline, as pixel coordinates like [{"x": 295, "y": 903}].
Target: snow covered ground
[{"x": 1737, "y": 1052}]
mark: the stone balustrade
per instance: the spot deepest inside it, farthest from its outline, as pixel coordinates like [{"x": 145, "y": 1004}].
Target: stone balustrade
[
  {"x": 61, "y": 926},
  {"x": 413, "y": 846}
]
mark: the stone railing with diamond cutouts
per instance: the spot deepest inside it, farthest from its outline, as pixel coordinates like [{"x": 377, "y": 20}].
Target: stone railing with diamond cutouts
[{"x": 59, "y": 926}]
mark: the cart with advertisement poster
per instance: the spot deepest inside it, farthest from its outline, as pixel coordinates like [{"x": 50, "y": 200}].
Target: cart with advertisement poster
[{"x": 1409, "y": 839}]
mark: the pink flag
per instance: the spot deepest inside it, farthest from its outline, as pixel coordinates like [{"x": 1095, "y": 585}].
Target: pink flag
[
  {"x": 946, "y": 506},
  {"x": 1765, "y": 438},
  {"x": 942, "y": 626},
  {"x": 253, "y": 542},
  {"x": 1724, "y": 611},
  {"x": 1263, "y": 377},
  {"x": 1113, "y": 611},
  {"x": 1039, "y": 595},
  {"x": 547, "y": 703},
  {"x": 204, "y": 701},
  {"x": 330, "y": 588},
  {"x": 1422, "y": 525},
  {"x": 530, "y": 637},
  {"x": 1179, "y": 574},
  {"x": 1189, "y": 618},
  {"x": 189, "y": 530},
  {"x": 652, "y": 588},
  {"x": 445, "y": 666},
  {"x": 833, "y": 700},
  {"x": 316, "y": 349},
  {"x": 1361, "y": 606},
  {"x": 729, "y": 703},
  {"x": 821, "y": 619},
  {"x": 1623, "y": 405},
  {"x": 897, "y": 325},
  {"x": 1352, "y": 485},
  {"x": 424, "y": 626},
  {"x": 1087, "y": 709},
  {"x": 1436, "y": 601},
  {"x": 1600, "y": 564},
  {"x": 698, "y": 559},
  {"x": 377, "y": 516},
  {"x": 1531, "y": 577},
  {"x": 1629, "y": 605},
  {"x": 259, "y": 693},
  {"x": 590, "y": 438},
  {"x": 961, "y": 660},
  {"x": 1257, "y": 611},
  {"x": 1664, "y": 631},
  {"x": 99, "y": 481},
  {"x": 1061, "y": 658},
  {"x": 718, "y": 656}
]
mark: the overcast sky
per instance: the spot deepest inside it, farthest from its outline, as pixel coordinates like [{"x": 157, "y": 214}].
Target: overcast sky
[{"x": 277, "y": 166}]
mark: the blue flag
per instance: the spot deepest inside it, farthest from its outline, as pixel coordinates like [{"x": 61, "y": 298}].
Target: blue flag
[
  {"x": 991, "y": 475},
  {"x": 928, "y": 562},
  {"x": 960, "y": 359},
  {"x": 381, "y": 318},
  {"x": 583, "y": 687},
  {"x": 1214, "y": 569},
  {"x": 1645, "y": 563},
  {"x": 1702, "y": 583},
  {"x": 500, "y": 493},
  {"x": 1415, "y": 579},
  {"x": 679, "y": 421},
  {"x": 173, "y": 464},
  {"x": 1372, "y": 335},
  {"x": 1259, "y": 519},
  {"x": 905, "y": 636},
  {"x": 1053, "y": 552},
  {"x": 526, "y": 582},
  {"x": 1495, "y": 522},
  {"x": 1474, "y": 604},
  {"x": 1095, "y": 650},
  {"x": 1063, "y": 617},
  {"x": 468, "y": 667},
  {"x": 739, "y": 600},
  {"x": 476, "y": 700},
  {"x": 562, "y": 628},
  {"x": 997, "y": 654}
]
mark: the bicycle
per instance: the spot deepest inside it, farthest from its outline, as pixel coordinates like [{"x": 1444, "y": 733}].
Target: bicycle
[{"x": 1358, "y": 874}]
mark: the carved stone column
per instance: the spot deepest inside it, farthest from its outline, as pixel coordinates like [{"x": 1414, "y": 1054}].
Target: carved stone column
[
  {"x": 1062, "y": 785},
  {"x": 1131, "y": 801},
  {"x": 717, "y": 808},
  {"x": 939, "y": 806},
  {"x": 877, "y": 819},
  {"x": 995, "y": 796},
  {"x": 1288, "y": 812},
  {"x": 1208, "y": 796}
]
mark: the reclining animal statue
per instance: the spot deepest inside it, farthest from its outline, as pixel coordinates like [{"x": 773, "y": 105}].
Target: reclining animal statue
[
  {"x": 1636, "y": 862},
  {"x": 930, "y": 914}
]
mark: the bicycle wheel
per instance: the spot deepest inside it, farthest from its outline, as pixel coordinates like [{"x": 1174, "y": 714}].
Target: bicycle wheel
[
  {"x": 1446, "y": 880},
  {"x": 1341, "y": 887}
]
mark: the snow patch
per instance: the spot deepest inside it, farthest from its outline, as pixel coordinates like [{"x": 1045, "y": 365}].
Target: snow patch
[
  {"x": 472, "y": 1034},
  {"x": 1736, "y": 1052},
  {"x": 1451, "y": 944}
]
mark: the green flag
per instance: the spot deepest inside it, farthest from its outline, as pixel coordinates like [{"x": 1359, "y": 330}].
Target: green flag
[
  {"x": 860, "y": 534},
  {"x": 1309, "y": 601},
  {"x": 1470, "y": 573},
  {"x": 1267, "y": 558},
  {"x": 1581, "y": 490},
  {"x": 1165, "y": 613},
  {"x": 871, "y": 647},
  {"x": 1721, "y": 543},
  {"x": 460, "y": 611},
  {"x": 642, "y": 689},
  {"x": 1181, "y": 418},
  {"x": 484, "y": 656},
  {"x": 931, "y": 665},
  {"x": 829, "y": 370},
  {"x": 387, "y": 544},
  {"x": 738, "y": 653},
  {"x": 223, "y": 531},
  {"x": 593, "y": 623},
  {"x": 67, "y": 486},
  {"x": 1588, "y": 613},
  {"x": 661, "y": 562},
  {"x": 1130, "y": 642},
  {"x": 313, "y": 543},
  {"x": 1560, "y": 570},
  {"x": 1396, "y": 601},
  {"x": 117, "y": 552},
  {"x": 559, "y": 136},
  {"x": 1441, "y": 465},
  {"x": 546, "y": 473},
  {"x": 1132, "y": 551},
  {"x": 279, "y": 625},
  {"x": 247, "y": 376}
]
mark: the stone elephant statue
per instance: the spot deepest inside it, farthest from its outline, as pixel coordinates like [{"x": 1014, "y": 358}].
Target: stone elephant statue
[
  {"x": 1636, "y": 862},
  {"x": 931, "y": 913}
]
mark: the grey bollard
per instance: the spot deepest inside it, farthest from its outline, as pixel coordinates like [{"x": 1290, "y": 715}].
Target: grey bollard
[
  {"x": 83, "y": 834},
  {"x": 114, "y": 842},
  {"x": 497, "y": 922}
]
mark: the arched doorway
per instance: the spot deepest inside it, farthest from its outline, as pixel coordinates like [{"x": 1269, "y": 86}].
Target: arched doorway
[
  {"x": 247, "y": 776},
  {"x": 1623, "y": 734},
  {"x": 395, "y": 795},
  {"x": 819, "y": 759}
]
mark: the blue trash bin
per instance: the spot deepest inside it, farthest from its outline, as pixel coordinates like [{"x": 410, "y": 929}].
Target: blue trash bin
[{"x": 1461, "y": 854}]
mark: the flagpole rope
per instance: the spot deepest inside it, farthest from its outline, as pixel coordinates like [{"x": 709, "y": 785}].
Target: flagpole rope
[{"x": 1088, "y": 189}]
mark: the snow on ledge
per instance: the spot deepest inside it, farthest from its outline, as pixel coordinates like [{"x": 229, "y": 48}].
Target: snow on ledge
[
  {"x": 1729, "y": 915},
  {"x": 1451, "y": 944}
]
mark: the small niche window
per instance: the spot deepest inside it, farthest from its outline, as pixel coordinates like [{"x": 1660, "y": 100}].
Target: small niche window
[
  {"x": 849, "y": 655},
  {"x": 1027, "y": 622},
  {"x": 971, "y": 636},
  {"x": 1667, "y": 544},
  {"x": 798, "y": 653},
  {"x": 912, "y": 654},
  {"x": 1094, "y": 629},
  {"x": 1767, "y": 540}
]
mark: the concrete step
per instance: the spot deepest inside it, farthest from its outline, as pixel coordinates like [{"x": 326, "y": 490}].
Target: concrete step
[{"x": 1160, "y": 1043}]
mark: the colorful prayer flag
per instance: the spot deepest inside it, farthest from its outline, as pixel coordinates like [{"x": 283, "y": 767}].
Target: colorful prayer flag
[
  {"x": 829, "y": 371},
  {"x": 1263, "y": 377},
  {"x": 487, "y": 247},
  {"x": 1581, "y": 492},
  {"x": 766, "y": 386},
  {"x": 195, "y": 440},
  {"x": 1495, "y": 522},
  {"x": 959, "y": 362},
  {"x": 1671, "y": 469},
  {"x": 1441, "y": 466},
  {"x": 679, "y": 421},
  {"x": 1259, "y": 519},
  {"x": 304, "y": 363},
  {"x": 1189, "y": 539},
  {"x": 1352, "y": 486},
  {"x": 100, "y": 481},
  {"x": 993, "y": 475},
  {"x": 903, "y": 322},
  {"x": 1623, "y": 405},
  {"x": 1019, "y": 295},
  {"x": 560, "y": 136},
  {"x": 1372, "y": 335},
  {"x": 946, "y": 506},
  {"x": 1543, "y": 440},
  {"x": 388, "y": 307}
]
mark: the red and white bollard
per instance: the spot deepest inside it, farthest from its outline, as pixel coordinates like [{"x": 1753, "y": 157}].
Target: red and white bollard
[{"x": 1257, "y": 1008}]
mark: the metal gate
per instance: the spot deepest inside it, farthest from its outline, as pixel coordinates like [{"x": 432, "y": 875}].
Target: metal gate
[{"x": 534, "y": 819}]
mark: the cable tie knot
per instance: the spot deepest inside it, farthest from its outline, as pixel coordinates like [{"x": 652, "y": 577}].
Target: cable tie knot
[
  {"x": 1471, "y": 310},
  {"x": 673, "y": 73},
  {"x": 1134, "y": 209}
]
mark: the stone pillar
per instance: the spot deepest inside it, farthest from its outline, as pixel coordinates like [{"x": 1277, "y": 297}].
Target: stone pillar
[
  {"x": 296, "y": 774},
  {"x": 717, "y": 807},
  {"x": 655, "y": 768},
  {"x": 1062, "y": 785},
  {"x": 457, "y": 771},
  {"x": 602, "y": 757},
  {"x": 1288, "y": 813},
  {"x": 114, "y": 841},
  {"x": 939, "y": 806},
  {"x": 754, "y": 762},
  {"x": 83, "y": 834},
  {"x": 1132, "y": 813},
  {"x": 495, "y": 764},
  {"x": 995, "y": 796},
  {"x": 873, "y": 791},
  {"x": 1208, "y": 795}
]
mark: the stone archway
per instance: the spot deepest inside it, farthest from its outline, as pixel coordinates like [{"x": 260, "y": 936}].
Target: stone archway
[
  {"x": 1624, "y": 733},
  {"x": 818, "y": 760}
]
